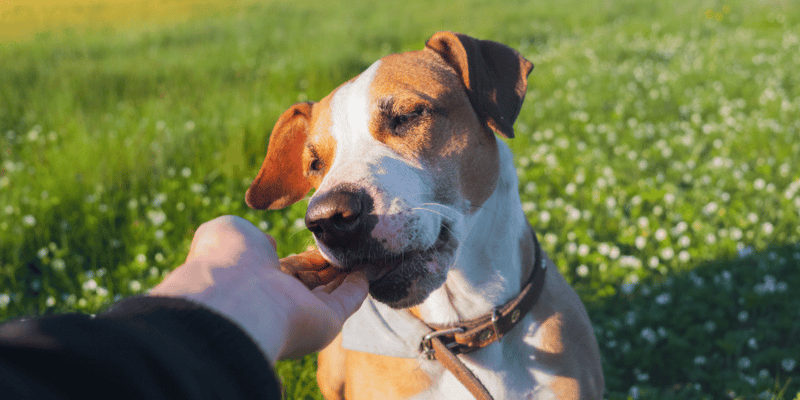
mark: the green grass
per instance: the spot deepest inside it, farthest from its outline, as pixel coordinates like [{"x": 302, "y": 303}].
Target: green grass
[{"x": 657, "y": 153}]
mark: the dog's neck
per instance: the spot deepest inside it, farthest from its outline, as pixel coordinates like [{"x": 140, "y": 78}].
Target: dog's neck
[{"x": 490, "y": 264}]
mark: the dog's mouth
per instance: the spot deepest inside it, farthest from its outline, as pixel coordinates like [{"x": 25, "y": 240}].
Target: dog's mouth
[{"x": 386, "y": 266}]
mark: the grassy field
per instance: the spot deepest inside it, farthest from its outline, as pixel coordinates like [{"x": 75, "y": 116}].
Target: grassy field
[{"x": 657, "y": 150}]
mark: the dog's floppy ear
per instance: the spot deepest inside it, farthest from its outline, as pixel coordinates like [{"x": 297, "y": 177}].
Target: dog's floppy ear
[
  {"x": 280, "y": 181},
  {"x": 495, "y": 76}
]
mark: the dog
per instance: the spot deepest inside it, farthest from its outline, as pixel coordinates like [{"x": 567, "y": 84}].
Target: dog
[{"x": 412, "y": 182}]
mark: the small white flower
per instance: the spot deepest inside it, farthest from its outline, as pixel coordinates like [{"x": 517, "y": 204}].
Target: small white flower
[
  {"x": 653, "y": 262},
  {"x": 661, "y": 234},
  {"x": 42, "y": 253},
  {"x": 663, "y": 298},
  {"x": 640, "y": 242},
  {"x": 745, "y": 251},
  {"x": 700, "y": 360},
  {"x": 743, "y": 315},
  {"x": 91, "y": 284},
  {"x": 544, "y": 217},
  {"x": 743, "y": 363},
  {"x": 684, "y": 241},
  {"x": 186, "y": 172},
  {"x": 684, "y": 256},
  {"x": 135, "y": 286},
  {"x": 767, "y": 228},
  {"x": 583, "y": 250},
  {"x": 614, "y": 252},
  {"x": 159, "y": 257},
  {"x": 4, "y": 300},
  {"x": 51, "y": 301},
  {"x": 29, "y": 220},
  {"x": 583, "y": 270},
  {"x": 141, "y": 258},
  {"x": 752, "y": 343},
  {"x": 710, "y": 326},
  {"x": 649, "y": 335},
  {"x": 788, "y": 364},
  {"x": 667, "y": 253},
  {"x": 603, "y": 248},
  {"x": 59, "y": 264},
  {"x": 643, "y": 222}
]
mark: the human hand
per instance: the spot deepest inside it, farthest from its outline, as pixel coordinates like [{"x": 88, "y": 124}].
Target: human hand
[{"x": 233, "y": 268}]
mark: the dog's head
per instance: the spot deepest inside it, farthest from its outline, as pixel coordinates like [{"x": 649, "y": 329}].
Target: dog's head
[{"x": 399, "y": 156}]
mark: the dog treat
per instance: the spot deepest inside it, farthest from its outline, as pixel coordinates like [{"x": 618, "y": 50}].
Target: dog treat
[{"x": 312, "y": 269}]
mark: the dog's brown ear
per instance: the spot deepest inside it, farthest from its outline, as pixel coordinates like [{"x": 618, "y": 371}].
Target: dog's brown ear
[
  {"x": 280, "y": 181},
  {"x": 495, "y": 76}
]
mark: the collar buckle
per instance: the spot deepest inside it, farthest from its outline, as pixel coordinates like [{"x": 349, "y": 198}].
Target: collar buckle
[{"x": 427, "y": 346}]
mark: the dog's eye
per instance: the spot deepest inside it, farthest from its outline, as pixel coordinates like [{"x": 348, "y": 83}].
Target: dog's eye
[
  {"x": 400, "y": 121},
  {"x": 316, "y": 165}
]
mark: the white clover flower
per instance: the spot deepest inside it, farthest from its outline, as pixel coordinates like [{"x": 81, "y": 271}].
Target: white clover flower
[
  {"x": 91, "y": 284},
  {"x": 197, "y": 188},
  {"x": 159, "y": 199},
  {"x": 661, "y": 234},
  {"x": 767, "y": 228},
  {"x": 157, "y": 217},
  {"x": 667, "y": 253},
  {"x": 753, "y": 343},
  {"x": 134, "y": 286},
  {"x": 603, "y": 248},
  {"x": 700, "y": 360},
  {"x": 643, "y": 222},
  {"x": 653, "y": 262},
  {"x": 551, "y": 239},
  {"x": 627, "y": 288},
  {"x": 570, "y": 189},
  {"x": 752, "y": 217},
  {"x": 614, "y": 252},
  {"x": 649, "y": 335},
  {"x": 189, "y": 125},
  {"x": 680, "y": 228},
  {"x": 743, "y": 363},
  {"x": 663, "y": 298},
  {"x": 745, "y": 251},
  {"x": 141, "y": 258},
  {"x": 710, "y": 208},
  {"x": 788, "y": 364},
  {"x": 640, "y": 242},
  {"x": 742, "y": 317},
  {"x": 180, "y": 206},
  {"x": 29, "y": 220},
  {"x": 759, "y": 184},
  {"x": 710, "y": 326},
  {"x": 42, "y": 253},
  {"x": 763, "y": 374},
  {"x": 171, "y": 172},
  {"x": 51, "y": 301},
  {"x": 630, "y": 262},
  {"x": 642, "y": 377},
  {"x": 583, "y": 270},
  {"x": 263, "y": 225},
  {"x": 669, "y": 198},
  {"x": 684, "y": 256},
  {"x": 4, "y": 300},
  {"x": 186, "y": 172},
  {"x": 634, "y": 392},
  {"x": 58, "y": 264},
  {"x": 711, "y": 238},
  {"x": 159, "y": 257},
  {"x": 101, "y": 291},
  {"x": 611, "y": 202},
  {"x": 571, "y": 248},
  {"x": 781, "y": 287},
  {"x": 583, "y": 250},
  {"x": 159, "y": 234},
  {"x": 544, "y": 217}
]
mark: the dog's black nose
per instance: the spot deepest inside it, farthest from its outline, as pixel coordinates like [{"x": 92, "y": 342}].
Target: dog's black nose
[{"x": 340, "y": 218}]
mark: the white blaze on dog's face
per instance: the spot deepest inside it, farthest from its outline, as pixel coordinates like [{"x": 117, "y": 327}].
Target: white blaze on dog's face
[{"x": 399, "y": 158}]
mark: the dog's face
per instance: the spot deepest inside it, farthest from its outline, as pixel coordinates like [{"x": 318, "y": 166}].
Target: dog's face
[{"x": 399, "y": 157}]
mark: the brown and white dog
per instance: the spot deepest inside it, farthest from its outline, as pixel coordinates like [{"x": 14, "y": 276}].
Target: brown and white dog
[{"x": 411, "y": 180}]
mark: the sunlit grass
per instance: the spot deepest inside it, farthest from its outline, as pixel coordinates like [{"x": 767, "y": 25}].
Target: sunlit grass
[{"x": 657, "y": 154}]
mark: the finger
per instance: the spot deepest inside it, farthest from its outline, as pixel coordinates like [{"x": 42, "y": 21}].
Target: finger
[
  {"x": 335, "y": 283},
  {"x": 347, "y": 298}
]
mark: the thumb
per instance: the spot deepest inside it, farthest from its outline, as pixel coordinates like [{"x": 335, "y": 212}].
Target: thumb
[{"x": 347, "y": 298}]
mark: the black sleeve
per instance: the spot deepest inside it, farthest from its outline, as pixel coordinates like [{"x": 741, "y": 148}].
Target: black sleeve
[{"x": 141, "y": 348}]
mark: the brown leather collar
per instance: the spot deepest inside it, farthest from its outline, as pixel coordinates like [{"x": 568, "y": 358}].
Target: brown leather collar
[{"x": 445, "y": 342}]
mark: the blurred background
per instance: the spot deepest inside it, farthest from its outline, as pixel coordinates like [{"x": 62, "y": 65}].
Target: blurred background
[{"x": 657, "y": 152}]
